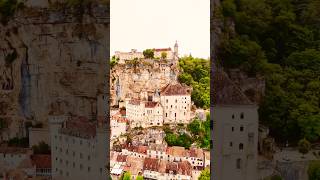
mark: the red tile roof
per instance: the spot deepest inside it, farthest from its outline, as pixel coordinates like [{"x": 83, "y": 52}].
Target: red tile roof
[
  {"x": 151, "y": 164},
  {"x": 122, "y": 158},
  {"x": 150, "y": 104},
  {"x": 134, "y": 102},
  {"x": 175, "y": 89},
  {"x": 41, "y": 161},
  {"x": 162, "y": 49},
  {"x": 185, "y": 168},
  {"x": 80, "y": 127}
]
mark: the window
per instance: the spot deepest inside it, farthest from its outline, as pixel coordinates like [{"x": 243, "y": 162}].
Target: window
[
  {"x": 241, "y": 128},
  {"x": 89, "y": 169},
  {"x": 80, "y": 142},
  {"x": 230, "y": 144},
  {"x": 241, "y": 115},
  {"x": 80, "y": 166},
  {"x": 232, "y": 129},
  {"x": 88, "y": 157},
  {"x": 166, "y": 114},
  {"x": 175, "y": 114},
  {"x": 73, "y": 164},
  {"x": 232, "y": 116},
  {"x": 240, "y": 146},
  {"x": 166, "y": 100},
  {"x": 239, "y": 163}
]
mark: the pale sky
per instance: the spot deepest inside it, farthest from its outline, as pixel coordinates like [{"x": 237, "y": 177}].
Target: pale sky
[{"x": 142, "y": 24}]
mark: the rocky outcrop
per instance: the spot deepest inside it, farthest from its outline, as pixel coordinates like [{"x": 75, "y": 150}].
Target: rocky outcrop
[
  {"x": 139, "y": 81},
  {"x": 53, "y": 60}
]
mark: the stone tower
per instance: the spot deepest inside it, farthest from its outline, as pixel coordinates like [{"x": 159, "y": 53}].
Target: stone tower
[{"x": 176, "y": 53}]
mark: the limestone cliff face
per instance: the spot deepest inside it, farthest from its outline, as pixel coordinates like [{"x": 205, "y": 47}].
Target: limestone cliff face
[
  {"x": 140, "y": 81},
  {"x": 52, "y": 60}
]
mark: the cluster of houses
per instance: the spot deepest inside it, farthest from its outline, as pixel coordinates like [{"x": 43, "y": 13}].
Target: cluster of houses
[{"x": 157, "y": 161}]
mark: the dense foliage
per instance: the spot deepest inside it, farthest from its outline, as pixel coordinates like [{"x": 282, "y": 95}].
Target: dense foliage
[
  {"x": 41, "y": 148},
  {"x": 200, "y": 131},
  {"x": 314, "y": 170},
  {"x": 205, "y": 175},
  {"x": 148, "y": 54},
  {"x": 183, "y": 139},
  {"x": 8, "y": 8},
  {"x": 280, "y": 40},
  {"x": 196, "y": 73},
  {"x": 19, "y": 142}
]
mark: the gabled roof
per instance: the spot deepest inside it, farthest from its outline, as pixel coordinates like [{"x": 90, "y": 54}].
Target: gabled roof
[
  {"x": 175, "y": 89},
  {"x": 224, "y": 91}
]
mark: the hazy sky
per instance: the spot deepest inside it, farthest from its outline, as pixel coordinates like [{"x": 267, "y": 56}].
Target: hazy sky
[{"x": 142, "y": 24}]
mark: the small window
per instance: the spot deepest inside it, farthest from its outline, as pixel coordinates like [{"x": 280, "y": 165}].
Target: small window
[
  {"x": 241, "y": 115},
  {"x": 241, "y": 128},
  {"x": 240, "y": 146},
  {"x": 232, "y": 116},
  {"x": 230, "y": 144},
  {"x": 239, "y": 163}
]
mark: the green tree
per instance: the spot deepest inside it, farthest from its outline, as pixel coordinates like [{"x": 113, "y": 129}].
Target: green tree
[
  {"x": 304, "y": 146},
  {"x": 205, "y": 174},
  {"x": 163, "y": 55},
  {"x": 139, "y": 178},
  {"x": 314, "y": 170},
  {"x": 127, "y": 176},
  {"x": 41, "y": 148},
  {"x": 148, "y": 53}
]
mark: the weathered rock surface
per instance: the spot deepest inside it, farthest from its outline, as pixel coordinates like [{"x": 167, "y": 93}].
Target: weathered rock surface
[{"x": 53, "y": 60}]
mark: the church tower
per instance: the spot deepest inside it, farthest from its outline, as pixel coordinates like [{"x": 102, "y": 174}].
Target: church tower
[{"x": 176, "y": 52}]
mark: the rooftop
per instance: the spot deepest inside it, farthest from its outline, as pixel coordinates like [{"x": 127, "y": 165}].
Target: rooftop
[
  {"x": 176, "y": 151},
  {"x": 224, "y": 91},
  {"x": 151, "y": 164},
  {"x": 79, "y": 127},
  {"x": 175, "y": 89}
]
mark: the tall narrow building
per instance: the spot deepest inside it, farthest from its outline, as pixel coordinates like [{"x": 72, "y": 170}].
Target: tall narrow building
[{"x": 235, "y": 131}]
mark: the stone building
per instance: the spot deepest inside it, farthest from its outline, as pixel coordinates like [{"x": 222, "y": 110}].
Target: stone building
[
  {"x": 144, "y": 113},
  {"x": 78, "y": 148},
  {"x": 235, "y": 131},
  {"x": 176, "y": 101}
]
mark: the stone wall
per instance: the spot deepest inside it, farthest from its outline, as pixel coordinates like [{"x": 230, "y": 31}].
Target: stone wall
[{"x": 53, "y": 60}]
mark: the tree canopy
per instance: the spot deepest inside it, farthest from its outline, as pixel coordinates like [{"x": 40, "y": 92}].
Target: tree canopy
[
  {"x": 148, "y": 53},
  {"x": 196, "y": 73},
  {"x": 279, "y": 40}
]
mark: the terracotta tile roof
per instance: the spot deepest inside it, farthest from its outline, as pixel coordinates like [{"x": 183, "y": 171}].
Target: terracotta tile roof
[
  {"x": 134, "y": 102},
  {"x": 151, "y": 164},
  {"x": 172, "y": 167},
  {"x": 176, "y": 151},
  {"x": 137, "y": 149},
  {"x": 80, "y": 127},
  {"x": 175, "y": 89},
  {"x": 150, "y": 104},
  {"x": 196, "y": 152},
  {"x": 162, "y": 166},
  {"x": 134, "y": 165},
  {"x": 224, "y": 91},
  {"x": 122, "y": 158},
  {"x": 162, "y": 49},
  {"x": 157, "y": 147},
  {"x": 185, "y": 168},
  {"x": 41, "y": 161}
]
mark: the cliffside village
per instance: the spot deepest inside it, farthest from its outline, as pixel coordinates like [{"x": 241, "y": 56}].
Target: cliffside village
[{"x": 144, "y": 99}]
